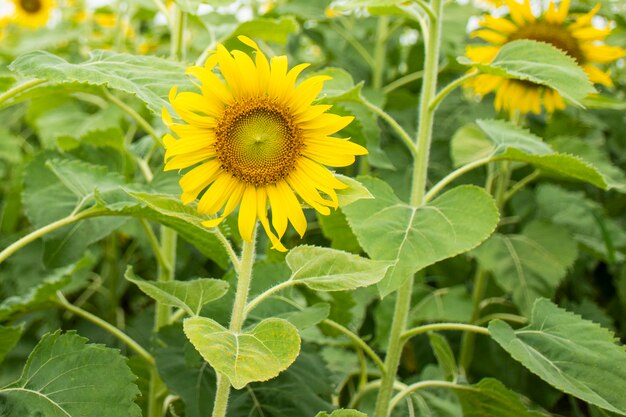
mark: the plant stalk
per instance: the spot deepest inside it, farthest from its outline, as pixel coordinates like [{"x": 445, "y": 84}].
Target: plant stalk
[
  {"x": 166, "y": 273},
  {"x": 237, "y": 318},
  {"x": 418, "y": 189}
]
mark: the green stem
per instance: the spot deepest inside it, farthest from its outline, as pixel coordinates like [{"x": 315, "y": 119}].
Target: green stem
[
  {"x": 450, "y": 88},
  {"x": 121, "y": 336},
  {"x": 418, "y": 189},
  {"x": 380, "y": 51},
  {"x": 513, "y": 318},
  {"x": 437, "y": 327},
  {"x": 357, "y": 341},
  {"x": 177, "y": 50},
  {"x": 521, "y": 184},
  {"x": 467, "y": 342},
  {"x": 406, "y": 138},
  {"x": 237, "y": 319},
  {"x": 135, "y": 116},
  {"x": 166, "y": 273},
  {"x": 9, "y": 94},
  {"x": 454, "y": 175},
  {"x": 259, "y": 298},
  {"x": 355, "y": 44},
  {"x": 425, "y": 384},
  {"x": 406, "y": 79},
  {"x": 154, "y": 243},
  {"x": 36, "y": 234}
]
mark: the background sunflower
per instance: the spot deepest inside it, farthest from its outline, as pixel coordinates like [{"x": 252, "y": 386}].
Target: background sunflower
[
  {"x": 33, "y": 13},
  {"x": 576, "y": 36}
]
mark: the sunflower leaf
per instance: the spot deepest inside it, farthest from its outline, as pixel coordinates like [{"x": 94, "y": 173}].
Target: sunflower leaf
[
  {"x": 539, "y": 63},
  {"x": 188, "y": 295},
  {"x": 325, "y": 269},
  {"x": 258, "y": 355},
  {"x": 574, "y": 355},
  {"x": 65, "y": 377},
  {"x": 531, "y": 264},
  {"x": 416, "y": 237},
  {"x": 501, "y": 140},
  {"x": 9, "y": 336},
  {"x": 148, "y": 78},
  {"x": 490, "y": 398}
]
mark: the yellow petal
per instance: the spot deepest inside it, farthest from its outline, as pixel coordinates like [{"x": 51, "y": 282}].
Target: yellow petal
[
  {"x": 293, "y": 207},
  {"x": 247, "y": 213},
  {"x": 261, "y": 198},
  {"x": 596, "y": 75},
  {"x": 279, "y": 210},
  {"x": 499, "y": 24},
  {"x": 489, "y": 36}
]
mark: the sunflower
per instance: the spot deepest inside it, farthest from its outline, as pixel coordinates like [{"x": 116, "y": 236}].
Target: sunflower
[
  {"x": 576, "y": 37},
  {"x": 255, "y": 140},
  {"x": 32, "y": 13}
]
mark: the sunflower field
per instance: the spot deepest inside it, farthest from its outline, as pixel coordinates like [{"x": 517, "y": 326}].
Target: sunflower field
[{"x": 312, "y": 208}]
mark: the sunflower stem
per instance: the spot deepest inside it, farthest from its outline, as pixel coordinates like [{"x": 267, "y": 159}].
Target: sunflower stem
[
  {"x": 450, "y": 88},
  {"x": 380, "y": 51},
  {"x": 9, "y": 94},
  {"x": 436, "y": 189},
  {"x": 418, "y": 189},
  {"x": 237, "y": 318},
  {"x": 134, "y": 115},
  {"x": 426, "y": 384},
  {"x": 177, "y": 46},
  {"x": 166, "y": 272}
]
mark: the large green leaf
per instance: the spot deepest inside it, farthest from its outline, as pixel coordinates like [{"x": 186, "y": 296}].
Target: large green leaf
[
  {"x": 325, "y": 269},
  {"x": 415, "y": 237},
  {"x": 258, "y": 355},
  {"x": 531, "y": 264},
  {"x": 38, "y": 295},
  {"x": 574, "y": 355},
  {"x": 149, "y": 78},
  {"x": 190, "y": 295},
  {"x": 490, "y": 398},
  {"x": 9, "y": 336},
  {"x": 501, "y": 140},
  {"x": 66, "y": 377},
  {"x": 540, "y": 63}
]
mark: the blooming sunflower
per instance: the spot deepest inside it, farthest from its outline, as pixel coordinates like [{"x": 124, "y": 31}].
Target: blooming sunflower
[
  {"x": 32, "y": 13},
  {"x": 576, "y": 37},
  {"x": 256, "y": 140}
]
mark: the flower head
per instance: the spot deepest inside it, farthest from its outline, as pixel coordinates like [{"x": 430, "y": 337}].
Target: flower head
[
  {"x": 574, "y": 36},
  {"x": 256, "y": 140},
  {"x": 32, "y": 13}
]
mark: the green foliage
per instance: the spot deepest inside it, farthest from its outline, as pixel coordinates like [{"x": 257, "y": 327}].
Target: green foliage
[
  {"x": 191, "y": 295},
  {"x": 531, "y": 264},
  {"x": 574, "y": 355},
  {"x": 342, "y": 413},
  {"x": 63, "y": 368},
  {"x": 9, "y": 336},
  {"x": 257, "y": 355},
  {"x": 324, "y": 269},
  {"x": 416, "y": 237},
  {"x": 540, "y": 63},
  {"x": 148, "y": 78},
  {"x": 490, "y": 398}
]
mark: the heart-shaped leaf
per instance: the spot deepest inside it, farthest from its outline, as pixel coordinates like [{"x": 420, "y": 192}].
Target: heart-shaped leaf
[
  {"x": 188, "y": 295},
  {"x": 258, "y": 355},
  {"x": 389, "y": 229}
]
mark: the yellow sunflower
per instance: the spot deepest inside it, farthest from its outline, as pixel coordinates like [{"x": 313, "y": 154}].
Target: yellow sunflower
[
  {"x": 256, "y": 140},
  {"x": 32, "y": 13},
  {"x": 577, "y": 37}
]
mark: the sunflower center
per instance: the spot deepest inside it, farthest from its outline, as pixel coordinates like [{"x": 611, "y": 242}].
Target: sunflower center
[
  {"x": 30, "y": 6},
  {"x": 257, "y": 141},
  {"x": 553, "y": 34}
]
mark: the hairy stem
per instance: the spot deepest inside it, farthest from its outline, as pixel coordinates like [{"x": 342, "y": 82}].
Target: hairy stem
[
  {"x": 418, "y": 189},
  {"x": 166, "y": 273},
  {"x": 12, "y": 92},
  {"x": 380, "y": 51},
  {"x": 437, "y": 327},
  {"x": 425, "y": 384},
  {"x": 237, "y": 319}
]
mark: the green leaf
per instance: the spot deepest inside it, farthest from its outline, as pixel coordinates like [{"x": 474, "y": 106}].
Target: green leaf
[
  {"x": 9, "y": 336},
  {"x": 66, "y": 377},
  {"x": 444, "y": 304},
  {"x": 188, "y": 295},
  {"x": 168, "y": 211},
  {"x": 335, "y": 228},
  {"x": 416, "y": 237},
  {"x": 540, "y": 63},
  {"x": 342, "y": 413},
  {"x": 501, "y": 140},
  {"x": 309, "y": 316},
  {"x": 574, "y": 355},
  {"x": 444, "y": 354},
  {"x": 490, "y": 398},
  {"x": 147, "y": 77},
  {"x": 36, "y": 296},
  {"x": 325, "y": 269},
  {"x": 355, "y": 191},
  {"x": 531, "y": 264},
  {"x": 257, "y": 355}
]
